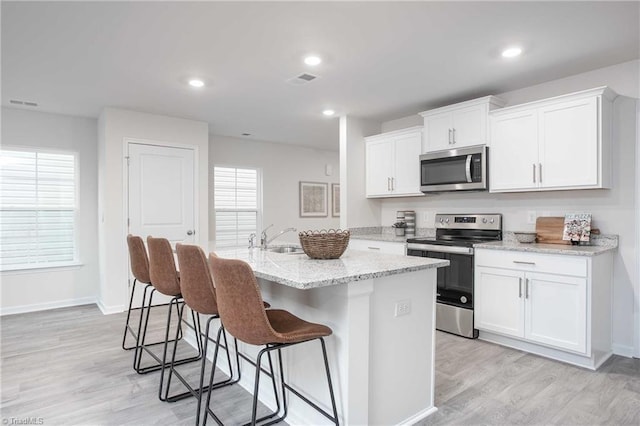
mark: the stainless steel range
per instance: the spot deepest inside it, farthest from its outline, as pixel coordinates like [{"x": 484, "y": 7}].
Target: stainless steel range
[{"x": 455, "y": 237}]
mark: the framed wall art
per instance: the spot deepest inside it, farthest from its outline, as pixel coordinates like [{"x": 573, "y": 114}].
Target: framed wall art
[
  {"x": 314, "y": 199},
  {"x": 335, "y": 199}
]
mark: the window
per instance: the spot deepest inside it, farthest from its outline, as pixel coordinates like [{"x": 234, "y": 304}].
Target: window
[
  {"x": 237, "y": 205},
  {"x": 37, "y": 209}
]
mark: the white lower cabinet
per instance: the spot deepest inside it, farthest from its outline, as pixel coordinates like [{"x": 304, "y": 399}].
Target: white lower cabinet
[
  {"x": 544, "y": 308},
  {"x": 553, "y": 305},
  {"x": 378, "y": 246}
]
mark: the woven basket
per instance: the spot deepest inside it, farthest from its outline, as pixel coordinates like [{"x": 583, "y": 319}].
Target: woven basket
[{"x": 324, "y": 244}]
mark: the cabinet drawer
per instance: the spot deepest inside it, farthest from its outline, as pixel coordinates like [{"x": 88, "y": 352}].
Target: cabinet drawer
[{"x": 533, "y": 262}]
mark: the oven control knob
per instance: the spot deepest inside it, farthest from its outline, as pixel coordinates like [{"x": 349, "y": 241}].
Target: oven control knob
[
  {"x": 484, "y": 220},
  {"x": 446, "y": 220},
  {"x": 441, "y": 220},
  {"x": 463, "y": 299},
  {"x": 491, "y": 221}
]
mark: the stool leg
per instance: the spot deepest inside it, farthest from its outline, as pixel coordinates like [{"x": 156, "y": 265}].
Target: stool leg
[
  {"x": 284, "y": 394},
  {"x": 142, "y": 331},
  {"x": 204, "y": 365},
  {"x": 126, "y": 325},
  {"x": 326, "y": 367},
  {"x": 256, "y": 384},
  {"x": 180, "y": 310},
  {"x": 166, "y": 340},
  {"x": 207, "y": 409}
]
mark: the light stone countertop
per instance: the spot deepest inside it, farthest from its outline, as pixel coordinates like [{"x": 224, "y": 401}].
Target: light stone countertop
[
  {"x": 391, "y": 238},
  {"x": 299, "y": 271},
  {"x": 387, "y": 233},
  {"x": 592, "y": 250}
]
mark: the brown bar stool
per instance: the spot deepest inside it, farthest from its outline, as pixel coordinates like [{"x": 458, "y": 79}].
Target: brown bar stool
[
  {"x": 165, "y": 280},
  {"x": 243, "y": 315},
  {"x": 140, "y": 270},
  {"x": 196, "y": 286}
]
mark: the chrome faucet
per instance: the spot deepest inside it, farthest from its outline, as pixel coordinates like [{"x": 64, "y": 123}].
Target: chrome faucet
[
  {"x": 263, "y": 237},
  {"x": 264, "y": 241}
]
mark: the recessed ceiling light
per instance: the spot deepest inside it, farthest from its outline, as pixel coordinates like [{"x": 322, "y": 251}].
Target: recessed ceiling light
[
  {"x": 196, "y": 83},
  {"x": 328, "y": 112},
  {"x": 511, "y": 52},
  {"x": 312, "y": 60}
]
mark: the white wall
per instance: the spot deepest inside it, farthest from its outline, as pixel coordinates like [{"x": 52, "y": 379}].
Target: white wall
[
  {"x": 283, "y": 167},
  {"x": 24, "y": 291},
  {"x": 358, "y": 210},
  {"x": 114, "y": 125},
  {"x": 622, "y": 78},
  {"x": 614, "y": 211}
]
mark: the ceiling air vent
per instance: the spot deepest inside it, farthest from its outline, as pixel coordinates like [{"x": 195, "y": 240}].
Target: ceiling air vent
[
  {"x": 303, "y": 78},
  {"x": 17, "y": 102}
]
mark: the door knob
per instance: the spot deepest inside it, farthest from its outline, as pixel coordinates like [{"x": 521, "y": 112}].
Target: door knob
[{"x": 190, "y": 232}]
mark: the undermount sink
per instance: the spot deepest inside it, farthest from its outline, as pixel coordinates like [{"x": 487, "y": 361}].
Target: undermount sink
[{"x": 286, "y": 249}]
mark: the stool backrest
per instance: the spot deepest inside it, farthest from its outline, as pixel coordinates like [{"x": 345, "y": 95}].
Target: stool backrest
[
  {"x": 240, "y": 303},
  {"x": 162, "y": 266},
  {"x": 138, "y": 258},
  {"x": 196, "y": 284}
]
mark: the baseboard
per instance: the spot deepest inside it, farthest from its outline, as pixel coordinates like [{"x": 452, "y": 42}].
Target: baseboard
[
  {"x": 46, "y": 306},
  {"x": 623, "y": 350},
  {"x": 419, "y": 416},
  {"x": 108, "y": 310}
]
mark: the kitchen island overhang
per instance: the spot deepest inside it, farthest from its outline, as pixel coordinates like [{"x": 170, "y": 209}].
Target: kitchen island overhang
[{"x": 381, "y": 309}]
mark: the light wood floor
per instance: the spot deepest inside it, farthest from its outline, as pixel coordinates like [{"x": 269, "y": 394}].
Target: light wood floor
[
  {"x": 66, "y": 367},
  {"x": 479, "y": 383}
]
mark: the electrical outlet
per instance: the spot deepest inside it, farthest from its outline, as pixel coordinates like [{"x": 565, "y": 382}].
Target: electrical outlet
[
  {"x": 403, "y": 307},
  {"x": 531, "y": 216},
  {"x": 427, "y": 220}
]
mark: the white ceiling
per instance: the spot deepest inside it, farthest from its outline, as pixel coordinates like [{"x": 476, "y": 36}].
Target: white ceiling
[{"x": 382, "y": 60}]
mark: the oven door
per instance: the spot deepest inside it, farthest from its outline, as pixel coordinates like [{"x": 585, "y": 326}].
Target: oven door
[{"x": 455, "y": 282}]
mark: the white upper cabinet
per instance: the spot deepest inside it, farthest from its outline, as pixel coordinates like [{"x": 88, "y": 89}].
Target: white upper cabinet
[
  {"x": 554, "y": 144},
  {"x": 393, "y": 163},
  {"x": 459, "y": 125}
]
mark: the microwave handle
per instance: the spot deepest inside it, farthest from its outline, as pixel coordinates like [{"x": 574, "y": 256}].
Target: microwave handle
[{"x": 468, "y": 168}]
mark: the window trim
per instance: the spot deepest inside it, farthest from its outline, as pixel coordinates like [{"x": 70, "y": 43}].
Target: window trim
[
  {"x": 75, "y": 262},
  {"x": 259, "y": 206}
]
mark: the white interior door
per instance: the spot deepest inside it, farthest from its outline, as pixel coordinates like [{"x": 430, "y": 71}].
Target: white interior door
[{"x": 162, "y": 192}]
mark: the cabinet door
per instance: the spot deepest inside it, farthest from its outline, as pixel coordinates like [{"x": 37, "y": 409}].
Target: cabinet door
[
  {"x": 436, "y": 128},
  {"x": 379, "y": 167},
  {"x": 469, "y": 126},
  {"x": 513, "y": 155},
  {"x": 499, "y": 302},
  {"x": 556, "y": 311},
  {"x": 406, "y": 178},
  {"x": 569, "y": 144}
]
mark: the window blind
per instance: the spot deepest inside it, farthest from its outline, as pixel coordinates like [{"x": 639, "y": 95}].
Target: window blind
[
  {"x": 236, "y": 195},
  {"x": 37, "y": 209}
]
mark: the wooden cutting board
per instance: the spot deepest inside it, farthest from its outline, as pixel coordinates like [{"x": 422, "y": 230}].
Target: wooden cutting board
[{"x": 549, "y": 230}]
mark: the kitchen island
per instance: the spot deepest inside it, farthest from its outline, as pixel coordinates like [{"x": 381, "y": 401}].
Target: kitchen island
[{"x": 381, "y": 309}]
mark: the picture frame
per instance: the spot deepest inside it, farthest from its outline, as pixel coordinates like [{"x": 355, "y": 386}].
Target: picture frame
[
  {"x": 335, "y": 200},
  {"x": 314, "y": 199}
]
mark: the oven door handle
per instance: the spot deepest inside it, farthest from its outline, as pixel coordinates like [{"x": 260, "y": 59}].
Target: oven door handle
[
  {"x": 441, "y": 249},
  {"x": 468, "y": 169}
]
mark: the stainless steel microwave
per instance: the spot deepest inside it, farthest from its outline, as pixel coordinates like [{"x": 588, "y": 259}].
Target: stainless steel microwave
[{"x": 463, "y": 169}]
